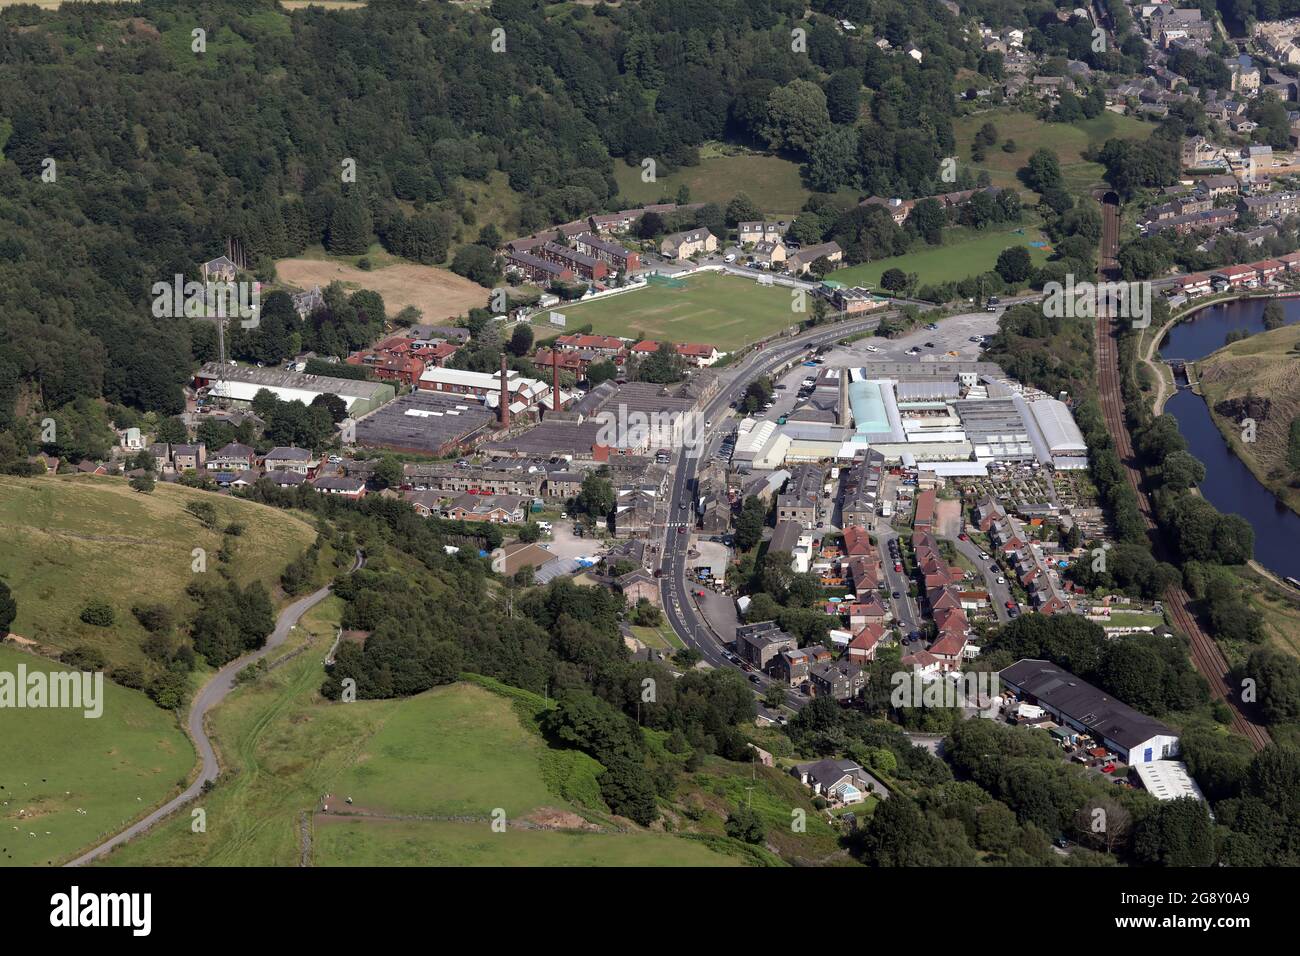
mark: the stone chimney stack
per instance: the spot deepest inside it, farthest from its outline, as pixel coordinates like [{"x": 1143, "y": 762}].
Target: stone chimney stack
[
  {"x": 504, "y": 409},
  {"x": 555, "y": 380}
]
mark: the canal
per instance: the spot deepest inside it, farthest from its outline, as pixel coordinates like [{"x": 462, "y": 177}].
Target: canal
[{"x": 1229, "y": 484}]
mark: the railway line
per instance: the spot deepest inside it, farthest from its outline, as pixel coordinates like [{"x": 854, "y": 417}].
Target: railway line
[{"x": 1206, "y": 656}]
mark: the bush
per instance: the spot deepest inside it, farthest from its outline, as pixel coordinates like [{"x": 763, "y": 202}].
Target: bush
[
  {"x": 84, "y": 658},
  {"x": 98, "y": 614}
]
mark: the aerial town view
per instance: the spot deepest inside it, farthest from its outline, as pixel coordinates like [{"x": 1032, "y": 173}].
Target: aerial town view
[{"x": 649, "y": 433}]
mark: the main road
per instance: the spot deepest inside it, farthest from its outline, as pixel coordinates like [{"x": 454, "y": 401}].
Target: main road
[
  {"x": 679, "y": 604},
  {"x": 213, "y": 693}
]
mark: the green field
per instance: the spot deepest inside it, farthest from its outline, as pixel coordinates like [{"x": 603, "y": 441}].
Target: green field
[
  {"x": 342, "y": 842},
  {"x": 1068, "y": 141},
  {"x": 773, "y": 183},
  {"x": 969, "y": 253},
  {"x": 727, "y": 312},
  {"x": 459, "y": 751},
  {"x": 54, "y": 762},
  {"x": 68, "y": 540}
]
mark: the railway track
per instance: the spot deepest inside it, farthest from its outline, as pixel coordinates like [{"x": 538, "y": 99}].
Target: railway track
[{"x": 1206, "y": 656}]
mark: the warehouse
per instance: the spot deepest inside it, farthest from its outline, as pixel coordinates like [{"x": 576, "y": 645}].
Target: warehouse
[
  {"x": 1134, "y": 736},
  {"x": 1060, "y": 432},
  {"x": 240, "y": 383},
  {"x": 424, "y": 423}
]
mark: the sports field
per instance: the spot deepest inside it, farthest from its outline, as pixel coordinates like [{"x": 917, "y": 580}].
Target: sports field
[
  {"x": 66, "y": 780},
  {"x": 69, "y": 539},
  {"x": 969, "y": 254},
  {"x": 724, "y": 311}
]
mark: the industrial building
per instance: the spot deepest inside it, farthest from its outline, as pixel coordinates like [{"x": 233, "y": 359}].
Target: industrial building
[
  {"x": 240, "y": 383},
  {"x": 1135, "y": 737},
  {"x": 424, "y": 423},
  {"x": 955, "y": 418}
]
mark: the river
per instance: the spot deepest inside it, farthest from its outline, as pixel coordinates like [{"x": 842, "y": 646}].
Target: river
[{"x": 1229, "y": 484}]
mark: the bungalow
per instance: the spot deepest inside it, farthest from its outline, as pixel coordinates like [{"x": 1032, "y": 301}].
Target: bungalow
[
  {"x": 286, "y": 479},
  {"x": 701, "y": 356},
  {"x": 839, "y": 781},
  {"x": 353, "y": 488},
  {"x": 88, "y": 467},
  {"x": 1291, "y": 260},
  {"x": 683, "y": 245},
  {"x": 494, "y": 509}
]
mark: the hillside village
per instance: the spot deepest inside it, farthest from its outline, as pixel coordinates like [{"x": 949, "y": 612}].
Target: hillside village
[{"x": 813, "y": 503}]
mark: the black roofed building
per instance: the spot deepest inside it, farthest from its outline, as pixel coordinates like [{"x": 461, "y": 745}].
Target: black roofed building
[{"x": 1134, "y": 736}]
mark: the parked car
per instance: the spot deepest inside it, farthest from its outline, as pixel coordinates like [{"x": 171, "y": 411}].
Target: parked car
[
  {"x": 753, "y": 678},
  {"x": 964, "y": 536},
  {"x": 1011, "y": 605},
  {"x": 1002, "y": 580},
  {"x": 729, "y": 257}
]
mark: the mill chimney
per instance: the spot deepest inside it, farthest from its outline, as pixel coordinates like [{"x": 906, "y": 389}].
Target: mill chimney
[{"x": 504, "y": 409}]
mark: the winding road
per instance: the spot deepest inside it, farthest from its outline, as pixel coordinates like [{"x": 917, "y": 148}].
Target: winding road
[{"x": 213, "y": 693}]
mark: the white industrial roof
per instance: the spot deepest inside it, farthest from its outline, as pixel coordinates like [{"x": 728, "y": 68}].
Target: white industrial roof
[
  {"x": 1059, "y": 430},
  {"x": 1168, "y": 780}
]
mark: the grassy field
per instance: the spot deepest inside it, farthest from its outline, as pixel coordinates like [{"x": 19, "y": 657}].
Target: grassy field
[
  {"x": 454, "y": 752},
  {"x": 724, "y": 311},
  {"x": 772, "y": 182},
  {"x": 343, "y": 842},
  {"x": 56, "y": 762},
  {"x": 1068, "y": 141},
  {"x": 661, "y": 638},
  {"x": 438, "y": 293},
  {"x": 969, "y": 253},
  {"x": 68, "y": 540},
  {"x": 1266, "y": 364}
]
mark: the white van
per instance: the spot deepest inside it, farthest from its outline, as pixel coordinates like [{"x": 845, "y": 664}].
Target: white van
[{"x": 729, "y": 257}]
